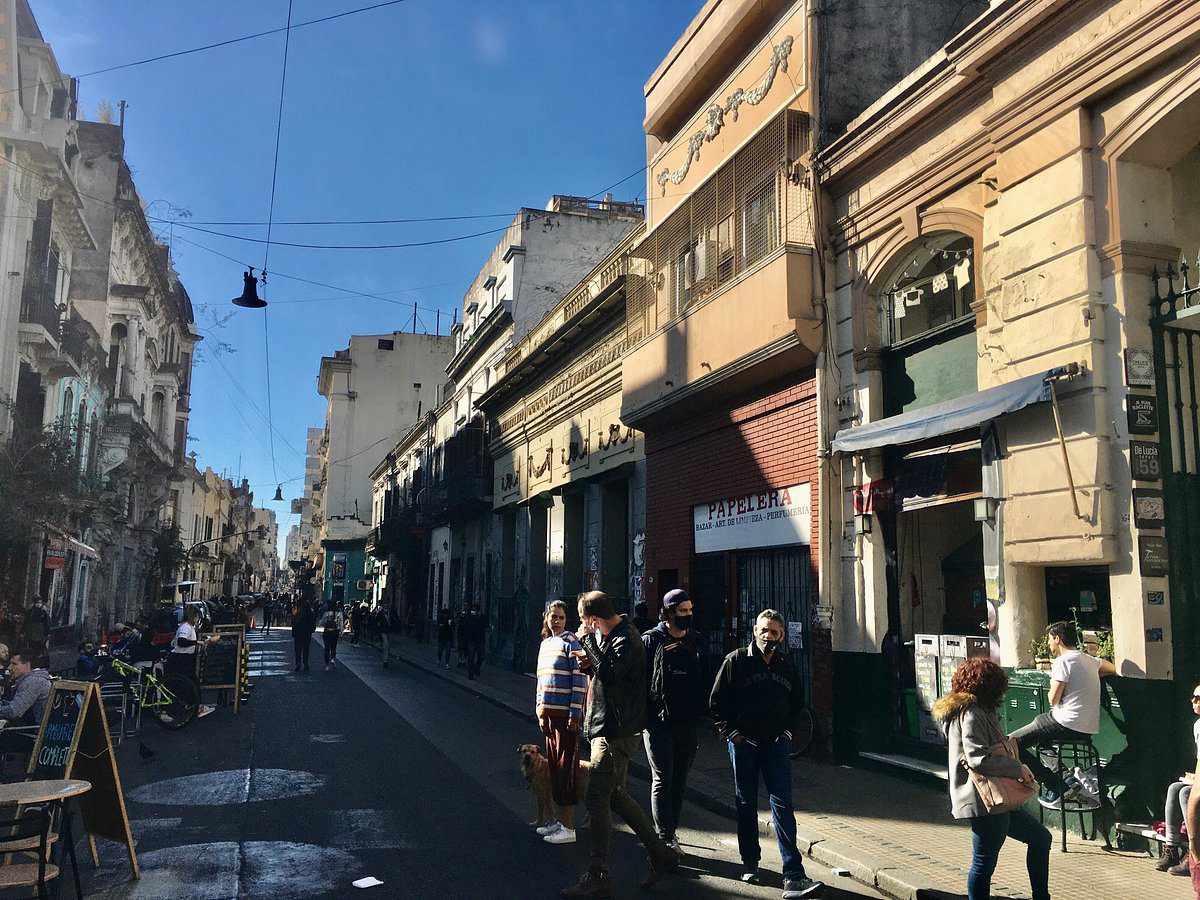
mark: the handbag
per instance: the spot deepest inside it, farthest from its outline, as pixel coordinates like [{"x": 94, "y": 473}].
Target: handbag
[{"x": 999, "y": 793}]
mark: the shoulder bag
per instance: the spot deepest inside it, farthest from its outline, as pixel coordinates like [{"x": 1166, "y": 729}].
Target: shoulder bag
[{"x": 999, "y": 793}]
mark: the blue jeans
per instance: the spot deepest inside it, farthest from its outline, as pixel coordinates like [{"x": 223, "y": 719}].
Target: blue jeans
[
  {"x": 775, "y": 765},
  {"x": 988, "y": 834}
]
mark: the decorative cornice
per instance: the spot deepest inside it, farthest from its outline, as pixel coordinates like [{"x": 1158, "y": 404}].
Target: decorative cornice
[{"x": 715, "y": 119}]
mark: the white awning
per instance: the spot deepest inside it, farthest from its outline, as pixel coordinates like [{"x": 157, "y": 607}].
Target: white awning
[
  {"x": 82, "y": 549},
  {"x": 950, "y": 415}
]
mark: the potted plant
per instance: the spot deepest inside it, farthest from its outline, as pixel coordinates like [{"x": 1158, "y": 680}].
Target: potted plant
[
  {"x": 1104, "y": 646},
  {"x": 1039, "y": 649}
]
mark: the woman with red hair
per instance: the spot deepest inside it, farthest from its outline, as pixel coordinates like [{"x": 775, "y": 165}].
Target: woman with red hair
[{"x": 968, "y": 716}]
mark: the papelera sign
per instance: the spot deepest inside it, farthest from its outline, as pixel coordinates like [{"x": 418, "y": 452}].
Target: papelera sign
[{"x": 767, "y": 519}]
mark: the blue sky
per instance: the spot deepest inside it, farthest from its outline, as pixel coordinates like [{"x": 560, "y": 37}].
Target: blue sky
[{"x": 427, "y": 108}]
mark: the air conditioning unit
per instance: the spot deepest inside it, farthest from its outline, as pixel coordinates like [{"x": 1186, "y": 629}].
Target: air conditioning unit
[{"x": 363, "y": 584}]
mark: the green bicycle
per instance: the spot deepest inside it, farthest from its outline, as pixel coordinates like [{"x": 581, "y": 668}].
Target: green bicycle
[{"x": 172, "y": 699}]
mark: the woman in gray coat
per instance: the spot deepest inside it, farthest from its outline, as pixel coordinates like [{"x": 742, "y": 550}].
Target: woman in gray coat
[{"x": 968, "y": 716}]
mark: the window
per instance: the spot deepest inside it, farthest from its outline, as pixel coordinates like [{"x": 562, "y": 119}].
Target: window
[
  {"x": 64, "y": 422},
  {"x": 933, "y": 290},
  {"x": 387, "y": 344},
  {"x": 81, "y": 434}
]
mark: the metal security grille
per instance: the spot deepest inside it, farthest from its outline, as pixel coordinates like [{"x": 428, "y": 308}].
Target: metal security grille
[
  {"x": 776, "y": 579},
  {"x": 1182, "y": 352},
  {"x": 756, "y": 202}
]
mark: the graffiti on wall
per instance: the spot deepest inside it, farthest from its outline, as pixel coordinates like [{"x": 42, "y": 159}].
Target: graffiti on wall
[{"x": 637, "y": 569}]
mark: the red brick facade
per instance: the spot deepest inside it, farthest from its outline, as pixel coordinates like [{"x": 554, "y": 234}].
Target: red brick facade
[{"x": 762, "y": 440}]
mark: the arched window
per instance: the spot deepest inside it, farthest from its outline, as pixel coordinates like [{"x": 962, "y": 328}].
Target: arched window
[
  {"x": 64, "y": 421},
  {"x": 932, "y": 289},
  {"x": 80, "y": 433},
  {"x": 116, "y": 357},
  {"x": 157, "y": 404}
]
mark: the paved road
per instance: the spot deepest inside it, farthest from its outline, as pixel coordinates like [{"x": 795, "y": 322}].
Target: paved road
[{"x": 325, "y": 778}]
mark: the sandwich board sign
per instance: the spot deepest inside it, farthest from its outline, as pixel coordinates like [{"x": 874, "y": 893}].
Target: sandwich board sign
[
  {"x": 222, "y": 665},
  {"x": 73, "y": 742}
]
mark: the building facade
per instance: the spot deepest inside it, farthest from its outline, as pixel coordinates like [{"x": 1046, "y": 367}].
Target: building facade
[
  {"x": 1015, "y": 401},
  {"x": 373, "y": 388}
]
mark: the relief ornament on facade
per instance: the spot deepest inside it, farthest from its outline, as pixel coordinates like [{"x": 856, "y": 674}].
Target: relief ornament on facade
[{"x": 715, "y": 118}]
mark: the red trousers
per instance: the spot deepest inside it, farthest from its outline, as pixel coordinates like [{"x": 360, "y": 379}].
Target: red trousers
[{"x": 562, "y": 751}]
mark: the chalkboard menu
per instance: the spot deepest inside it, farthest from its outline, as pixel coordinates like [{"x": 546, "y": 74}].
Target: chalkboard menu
[
  {"x": 60, "y": 734},
  {"x": 222, "y": 659}
]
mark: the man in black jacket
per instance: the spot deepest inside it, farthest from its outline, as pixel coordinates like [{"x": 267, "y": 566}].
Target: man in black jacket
[
  {"x": 755, "y": 700},
  {"x": 615, "y": 660},
  {"x": 304, "y": 623}
]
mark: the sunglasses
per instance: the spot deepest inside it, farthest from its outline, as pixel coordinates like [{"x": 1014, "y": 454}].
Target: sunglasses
[{"x": 1195, "y": 698}]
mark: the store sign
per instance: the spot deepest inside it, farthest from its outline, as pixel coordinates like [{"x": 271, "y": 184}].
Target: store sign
[
  {"x": 768, "y": 519},
  {"x": 1145, "y": 461},
  {"x": 1148, "y": 508},
  {"x": 1139, "y": 367},
  {"x": 1142, "y": 413},
  {"x": 1152, "y": 556}
]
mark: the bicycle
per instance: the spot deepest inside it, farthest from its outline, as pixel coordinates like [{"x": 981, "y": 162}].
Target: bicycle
[{"x": 172, "y": 699}]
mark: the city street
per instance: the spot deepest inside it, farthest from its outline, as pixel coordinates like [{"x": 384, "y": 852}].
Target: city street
[{"x": 325, "y": 778}]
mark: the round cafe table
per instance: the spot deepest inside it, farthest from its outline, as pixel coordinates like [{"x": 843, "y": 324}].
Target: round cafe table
[{"x": 58, "y": 790}]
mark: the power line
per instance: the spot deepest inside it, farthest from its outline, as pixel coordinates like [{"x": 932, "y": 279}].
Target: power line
[
  {"x": 237, "y": 40},
  {"x": 408, "y": 221}
]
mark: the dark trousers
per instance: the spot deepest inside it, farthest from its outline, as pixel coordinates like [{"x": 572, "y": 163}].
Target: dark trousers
[
  {"x": 301, "y": 643},
  {"x": 444, "y": 648},
  {"x": 267, "y": 619},
  {"x": 773, "y": 762},
  {"x": 606, "y": 794},
  {"x": 474, "y": 658},
  {"x": 670, "y": 753},
  {"x": 988, "y": 834},
  {"x": 330, "y": 639},
  {"x": 1045, "y": 728}
]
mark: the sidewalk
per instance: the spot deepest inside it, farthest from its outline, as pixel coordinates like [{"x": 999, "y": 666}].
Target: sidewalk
[{"x": 890, "y": 833}]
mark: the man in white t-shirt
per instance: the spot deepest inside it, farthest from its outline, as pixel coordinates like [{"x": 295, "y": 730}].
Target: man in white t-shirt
[{"x": 1074, "y": 708}]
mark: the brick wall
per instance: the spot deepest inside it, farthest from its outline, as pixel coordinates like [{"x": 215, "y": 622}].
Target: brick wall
[{"x": 763, "y": 440}]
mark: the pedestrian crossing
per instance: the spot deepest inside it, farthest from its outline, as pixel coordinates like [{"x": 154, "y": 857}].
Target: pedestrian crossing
[{"x": 270, "y": 654}]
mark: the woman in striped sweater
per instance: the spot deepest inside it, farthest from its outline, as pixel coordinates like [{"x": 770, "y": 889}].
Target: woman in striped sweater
[{"x": 561, "y": 695}]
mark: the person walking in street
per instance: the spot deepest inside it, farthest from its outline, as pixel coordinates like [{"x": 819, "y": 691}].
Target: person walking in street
[
  {"x": 968, "y": 716},
  {"x": 384, "y": 624},
  {"x": 1075, "y": 710},
  {"x": 445, "y": 636},
  {"x": 268, "y": 613},
  {"x": 1174, "y": 858},
  {"x": 304, "y": 623},
  {"x": 755, "y": 701},
  {"x": 332, "y": 624},
  {"x": 475, "y": 625},
  {"x": 356, "y": 623},
  {"x": 561, "y": 695},
  {"x": 461, "y": 634},
  {"x": 615, "y": 661},
  {"x": 676, "y": 701}
]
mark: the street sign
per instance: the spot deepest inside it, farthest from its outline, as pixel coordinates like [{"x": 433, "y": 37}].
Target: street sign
[
  {"x": 1144, "y": 461},
  {"x": 1142, "y": 413}
]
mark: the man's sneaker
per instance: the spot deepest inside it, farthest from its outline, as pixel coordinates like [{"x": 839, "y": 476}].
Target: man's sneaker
[
  {"x": 593, "y": 885},
  {"x": 661, "y": 862},
  {"x": 1184, "y": 868},
  {"x": 751, "y": 876},
  {"x": 549, "y": 828},
  {"x": 204, "y": 711},
  {"x": 795, "y": 888},
  {"x": 673, "y": 843},
  {"x": 563, "y": 835},
  {"x": 1170, "y": 857}
]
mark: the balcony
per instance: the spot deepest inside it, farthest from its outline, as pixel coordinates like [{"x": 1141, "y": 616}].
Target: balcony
[
  {"x": 466, "y": 482},
  {"x": 720, "y": 293}
]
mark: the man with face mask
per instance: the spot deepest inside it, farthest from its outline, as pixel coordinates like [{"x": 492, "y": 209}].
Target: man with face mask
[
  {"x": 755, "y": 701},
  {"x": 675, "y": 703}
]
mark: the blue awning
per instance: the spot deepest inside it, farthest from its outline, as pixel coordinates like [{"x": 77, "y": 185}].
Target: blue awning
[{"x": 949, "y": 416}]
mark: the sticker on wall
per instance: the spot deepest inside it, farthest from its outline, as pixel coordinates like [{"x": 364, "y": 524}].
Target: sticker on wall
[
  {"x": 1152, "y": 556},
  {"x": 1087, "y": 601},
  {"x": 1139, "y": 367},
  {"x": 1156, "y": 598},
  {"x": 1142, "y": 413},
  {"x": 1154, "y": 635},
  {"x": 1144, "y": 461},
  {"x": 795, "y": 635},
  {"x": 1148, "y": 509}
]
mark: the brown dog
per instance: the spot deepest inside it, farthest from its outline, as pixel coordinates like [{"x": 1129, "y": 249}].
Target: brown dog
[{"x": 536, "y": 769}]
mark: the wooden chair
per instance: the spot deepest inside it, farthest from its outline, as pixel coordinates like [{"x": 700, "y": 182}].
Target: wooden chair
[{"x": 27, "y": 840}]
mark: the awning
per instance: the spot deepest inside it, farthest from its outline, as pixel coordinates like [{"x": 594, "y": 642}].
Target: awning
[
  {"x": 82, "y": 549},
  {"x": 950, "y": 415}
]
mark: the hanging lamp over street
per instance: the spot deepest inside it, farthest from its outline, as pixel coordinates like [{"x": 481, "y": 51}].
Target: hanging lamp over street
[
  {"x": 249, "y": 298},
  {"x": 279, "y": 493}
]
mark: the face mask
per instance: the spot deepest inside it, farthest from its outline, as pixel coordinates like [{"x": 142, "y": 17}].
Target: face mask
[
  {"x": 766, "y": 646},
  {"x": 684, "y": 623}
]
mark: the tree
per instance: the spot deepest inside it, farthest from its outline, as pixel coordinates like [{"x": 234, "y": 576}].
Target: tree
[{"x": 169, "y": 554}]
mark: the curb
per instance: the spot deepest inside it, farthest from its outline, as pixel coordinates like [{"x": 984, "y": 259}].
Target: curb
[{"x": 872, "y": 871}]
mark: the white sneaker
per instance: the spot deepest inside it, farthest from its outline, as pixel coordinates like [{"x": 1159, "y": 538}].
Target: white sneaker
[
  {"x": 564, "y": 835},
  {"x": 204, "y": 711},
  {"x": 549, "y": 828}
]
